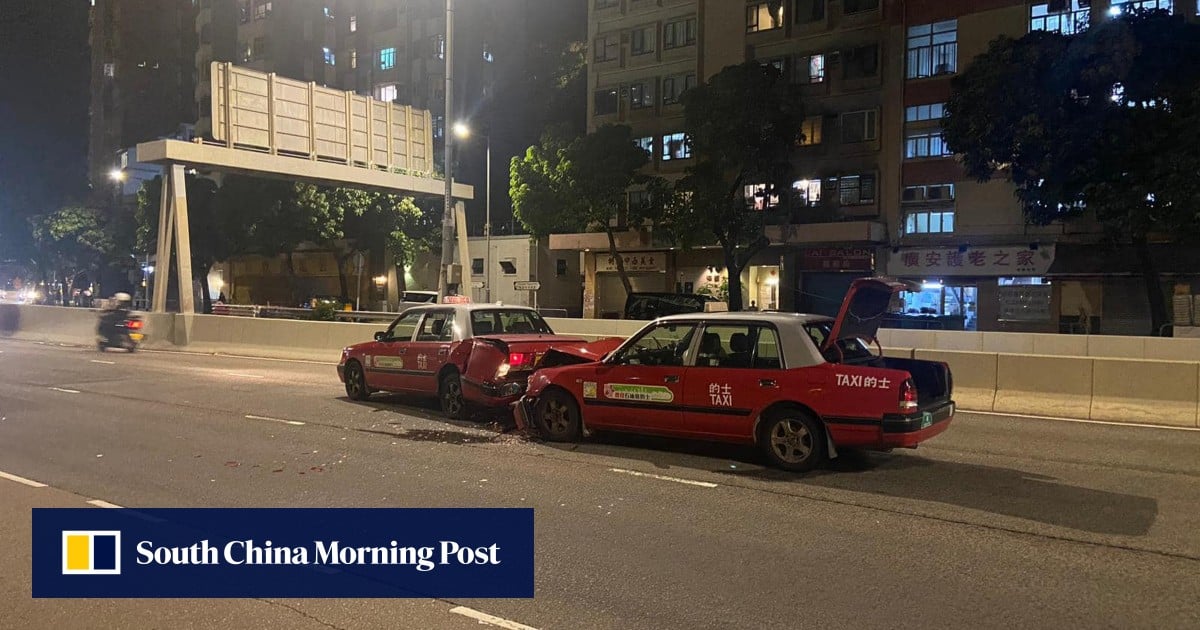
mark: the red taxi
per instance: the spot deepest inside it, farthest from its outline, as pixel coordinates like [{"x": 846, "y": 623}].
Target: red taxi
[
  {"x": 468, "y": 355},
  {"x": 799, "y": 386}
]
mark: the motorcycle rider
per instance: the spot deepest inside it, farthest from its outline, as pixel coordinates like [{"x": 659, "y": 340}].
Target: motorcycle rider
[{"x": 114, "y": 315}]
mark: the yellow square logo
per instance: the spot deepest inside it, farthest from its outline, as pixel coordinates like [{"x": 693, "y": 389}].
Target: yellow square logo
[{"x": 91, "y": 553}]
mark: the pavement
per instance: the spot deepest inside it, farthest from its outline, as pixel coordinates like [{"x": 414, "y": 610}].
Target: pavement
[{"x": 1000, "y": 522}]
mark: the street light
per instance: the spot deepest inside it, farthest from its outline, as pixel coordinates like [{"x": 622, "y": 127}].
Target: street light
[
  {"x": 462, "y": 131},
  {"x": 448, "y": 217},
  {"x": 117, "y": 175}
]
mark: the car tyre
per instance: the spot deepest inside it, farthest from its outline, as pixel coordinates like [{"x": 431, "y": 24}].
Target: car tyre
[
  {"x": 450, "y": 395},
  {"x": 356, "y": 382},
  {"x": 793, "y": 440},
  {"x": 557, "y": 417}
]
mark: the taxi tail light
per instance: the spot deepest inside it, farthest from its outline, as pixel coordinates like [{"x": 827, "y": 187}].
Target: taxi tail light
[
  {"x": 518, "y": 361},
  {"x": 134, "y": 324},
  {"x": 908, "y": 396}
]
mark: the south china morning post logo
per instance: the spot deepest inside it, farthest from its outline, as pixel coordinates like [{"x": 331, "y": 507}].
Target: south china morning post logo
[{"x": 91, "y": 552}]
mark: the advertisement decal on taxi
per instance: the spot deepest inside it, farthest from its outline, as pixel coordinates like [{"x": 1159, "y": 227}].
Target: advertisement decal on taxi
[{"x": 638, "y": 393}]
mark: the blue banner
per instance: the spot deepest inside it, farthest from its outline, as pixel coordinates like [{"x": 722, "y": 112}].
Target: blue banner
[{"x": 125, "y": 552}]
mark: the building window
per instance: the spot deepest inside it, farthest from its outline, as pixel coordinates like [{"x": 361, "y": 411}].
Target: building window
[
  {"x": 760, "y": 16},
  {"x": 810, "y": 69},
  {"x": 330, "y": 59},
  {"x": 387, "y": 93},
  {"x": 607, "y": 4},
  {"x": 353, "y": 59},
  {"x": 778, "y": 63},
  {"x": 560, "y": 267},
  {"x": 608, "y": 48},
  {"x": 329, "y": 12},
  {"x": 439, "y": 46},
  {"x": 929, "y": 222},
  {"x": 858, "y": 6},
  {"x": 674, "y": 87},
  {"x": 757, "y": 197},
  {"x": 675, "y": 146},
  {"x": 1063, "y": 16},
  {"x": 1120, "y": 6},
  {"x": 258, "y": 50},
  {"x": 641, "y": 95},
  {"x": 353, "y": 23},
  {"x": 110, "y": 70},
  {"x": 861, "y": 62},
  {"x": 807, "y": 192},
  {"x": 927, "y": 193},
  {"x": 924, "y": 145},
  {"x": 639, "y": 200},
  {"x": 859, "y": 126},
  {"x": 646, "y": 144},
  {"x": 919, "y": 113},
  {"x": 856, "y": 190},
  {"x": 606, "y": 102},
  {"x": 387, "y": 58},
  {"x": 262, "y": 10},
  {"x": 679, "y": 33},
  {"x": 810, "y": 131},
  {"x": 641, "y": 41},
  {"x": 933, "y": 49},
  {"x": 476, "y": 266},
  {"x": 808, "y": 11},
  {"x": 509, "y": 266}
]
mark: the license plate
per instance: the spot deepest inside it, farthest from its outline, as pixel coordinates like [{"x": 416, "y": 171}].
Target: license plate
[
  {"x": 926, "y": 420},
  {"x": 136, "y": 336}
]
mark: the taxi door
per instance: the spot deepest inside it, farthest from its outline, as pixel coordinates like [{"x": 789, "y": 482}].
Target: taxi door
[
  {"x": 389, "y": 359},
  {"x": 641, "y": 388},
  {"x": 737, "y": 373},
  {"x": 429, "y": 350}
]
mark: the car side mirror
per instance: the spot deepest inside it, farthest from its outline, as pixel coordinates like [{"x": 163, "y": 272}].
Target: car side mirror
[{"x": 381, "y": 335}]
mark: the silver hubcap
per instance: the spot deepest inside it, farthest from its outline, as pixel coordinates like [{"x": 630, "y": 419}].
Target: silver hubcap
[
  {"x": 354, "y": 382},
  {"x": 453, "y": 397},
  {"x": 791, "y": 441},
  {"x": 557, "y": 417}
]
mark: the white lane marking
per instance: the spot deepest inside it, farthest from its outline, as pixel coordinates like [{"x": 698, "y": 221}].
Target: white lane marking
[
  {"x": 244, "y": 375},
  {"x": 102, "y": 504},
  {"x": 499, "y": 622},
  {"x": 294, "y": 423},
  {"x": 1077, "y": 420},
  {"x": 65, "y": 391},
  {"x": 702, "y": 484},
  {"x": 104, "y": 362},
  {"x": 29, "y": 482}
]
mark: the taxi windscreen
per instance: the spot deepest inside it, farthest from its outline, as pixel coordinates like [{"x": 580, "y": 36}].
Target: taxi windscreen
[{"x": 508, "y": 322}]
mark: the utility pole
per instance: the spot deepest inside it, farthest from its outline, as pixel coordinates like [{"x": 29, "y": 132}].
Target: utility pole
[{"x": 448, "y": 216}]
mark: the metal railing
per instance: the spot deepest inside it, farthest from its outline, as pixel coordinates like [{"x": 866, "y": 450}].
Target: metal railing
[{"x": 283, "y": 312}]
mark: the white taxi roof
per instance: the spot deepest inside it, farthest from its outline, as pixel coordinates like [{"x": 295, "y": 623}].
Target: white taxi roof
[{"x": 798, "y": 348}]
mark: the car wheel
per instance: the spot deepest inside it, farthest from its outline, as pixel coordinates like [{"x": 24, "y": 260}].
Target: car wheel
[
  {"x": 450, "y": 393},
  {"x": 558, "y": 418},
  {"x": 356, "y": 382},
  {"x": 793, "y": 440}
]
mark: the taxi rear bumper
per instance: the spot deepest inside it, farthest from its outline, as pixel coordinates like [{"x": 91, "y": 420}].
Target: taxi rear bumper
[{"x": 909, "y": 430}]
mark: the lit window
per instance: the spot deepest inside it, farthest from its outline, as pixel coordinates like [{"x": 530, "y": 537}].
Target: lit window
[
  {"x": 330, "y": 59},
  {"x": 933, "y": 49},
  {"x": 675, "y": 146},
  {"x": 858, "y": 6},
  {"x": 807, "y": 192},
  {"x": 856, "y": 190},
  {"x": 919, "y": 113},
  {"x": 387, "y": 58},
  {"x": 679, "y": 33},
  {"x": 760, "y": 17},
  {"x": 262, "y": 10},
  {"x": 810, "y": 131},
  {"x": 859, "y": 126},
  {"x": 929, "y": 222},
  {"x": 606, "y": 102},
  {"x": 810, "y": 69},
  {"x": 353, "y": 59},
  {"x": 387, "y": 93},
  {"x": 809, "y": 11},
  {"x": 1065, "y": 16},
  {"x": 646, "y": 144},
  {"x": 757, "y": 197},
  {"x": 641, "y": 95},
  {"x": 928, "y": 193},
  {"x": 353, "y": 23},
  {"x": 607, "y": 48},
  {"x": 329, "y": 12},
  {"x": 1123, "y": 6},
  {"x": 923, "y": 145},
  {"x": 641, "y": 41}
]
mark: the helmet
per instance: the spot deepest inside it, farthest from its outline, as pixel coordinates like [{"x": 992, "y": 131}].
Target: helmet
[{"x": 122, "y": 297}]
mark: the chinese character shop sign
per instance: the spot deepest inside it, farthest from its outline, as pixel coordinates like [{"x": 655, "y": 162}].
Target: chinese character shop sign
[
  {"x": 931, "y": 262},
  {"x": 838, "y": 259},
  {"x": 642, "y": 261}
]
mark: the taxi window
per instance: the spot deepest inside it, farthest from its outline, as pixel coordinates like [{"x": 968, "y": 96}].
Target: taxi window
[
  {"x": 437, "y": 327},
  {"x": 665, "y": 344},
  {"x": 508, "y": 322},
  {"x": 742, "y": 346},
  {"x": 404, "y": 326},
  {"x": 852, "y": 350}
]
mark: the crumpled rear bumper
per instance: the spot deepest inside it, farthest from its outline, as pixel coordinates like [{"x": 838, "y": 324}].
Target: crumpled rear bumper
[{"x": 523, "y": 411}]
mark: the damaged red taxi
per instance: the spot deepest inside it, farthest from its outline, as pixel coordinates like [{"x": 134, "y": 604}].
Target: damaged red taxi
[{"x": 798, "y": 386}]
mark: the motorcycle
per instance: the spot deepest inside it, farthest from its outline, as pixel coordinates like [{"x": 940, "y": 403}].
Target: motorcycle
[{"x": 127, "y": 333}]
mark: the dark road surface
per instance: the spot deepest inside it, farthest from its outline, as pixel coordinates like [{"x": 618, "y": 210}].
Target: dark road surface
[{"x": 998, "y": 523}]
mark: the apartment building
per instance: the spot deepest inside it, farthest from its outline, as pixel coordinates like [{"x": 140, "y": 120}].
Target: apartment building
[{"x": 877, "y": 189}]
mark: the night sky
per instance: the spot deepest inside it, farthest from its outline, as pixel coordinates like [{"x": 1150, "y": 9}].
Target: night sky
[{"x": 44, "y": 75}]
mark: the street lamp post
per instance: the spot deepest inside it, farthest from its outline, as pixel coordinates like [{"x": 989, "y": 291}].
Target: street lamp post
[
  {"x": 448, "y": 217},
  {"x": 462, "y": 131}
]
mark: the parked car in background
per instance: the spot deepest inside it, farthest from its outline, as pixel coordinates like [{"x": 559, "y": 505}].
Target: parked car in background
[
  {"x": 468, "y": 355},
  {"x": 647, "y": 306},
  {"x": 798, "y": 386}
]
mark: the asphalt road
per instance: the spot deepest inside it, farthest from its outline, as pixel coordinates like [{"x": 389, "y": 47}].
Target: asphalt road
[{"x": 999, "y": 523}]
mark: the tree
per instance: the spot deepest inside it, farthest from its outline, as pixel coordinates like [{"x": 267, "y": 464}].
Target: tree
[
  {"x": 1090, "y": 124},
  {"x": 569, "y": 186},
  {"x": 742, "y": 126},
  {"x": 72, "y": 241}
]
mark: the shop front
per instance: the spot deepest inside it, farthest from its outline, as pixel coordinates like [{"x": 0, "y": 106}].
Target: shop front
[
  {"x": 826, "y": 273},
  {"x": 647, "y": 271},
  {"x": 995, "y": 288}
]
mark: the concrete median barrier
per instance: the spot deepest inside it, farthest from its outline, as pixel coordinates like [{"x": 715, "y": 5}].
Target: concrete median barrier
[
  {"x": 974, "y": 376},
  {"x": 1043, "y": 386},
  {"x": 1152, "y": 392}
]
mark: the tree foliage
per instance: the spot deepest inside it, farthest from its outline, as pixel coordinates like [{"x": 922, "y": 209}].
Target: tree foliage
[
  {"x": 743, "y": 126},
  {"x": 568, "y": 186},
  {"x": 1090, "y": 124}
]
